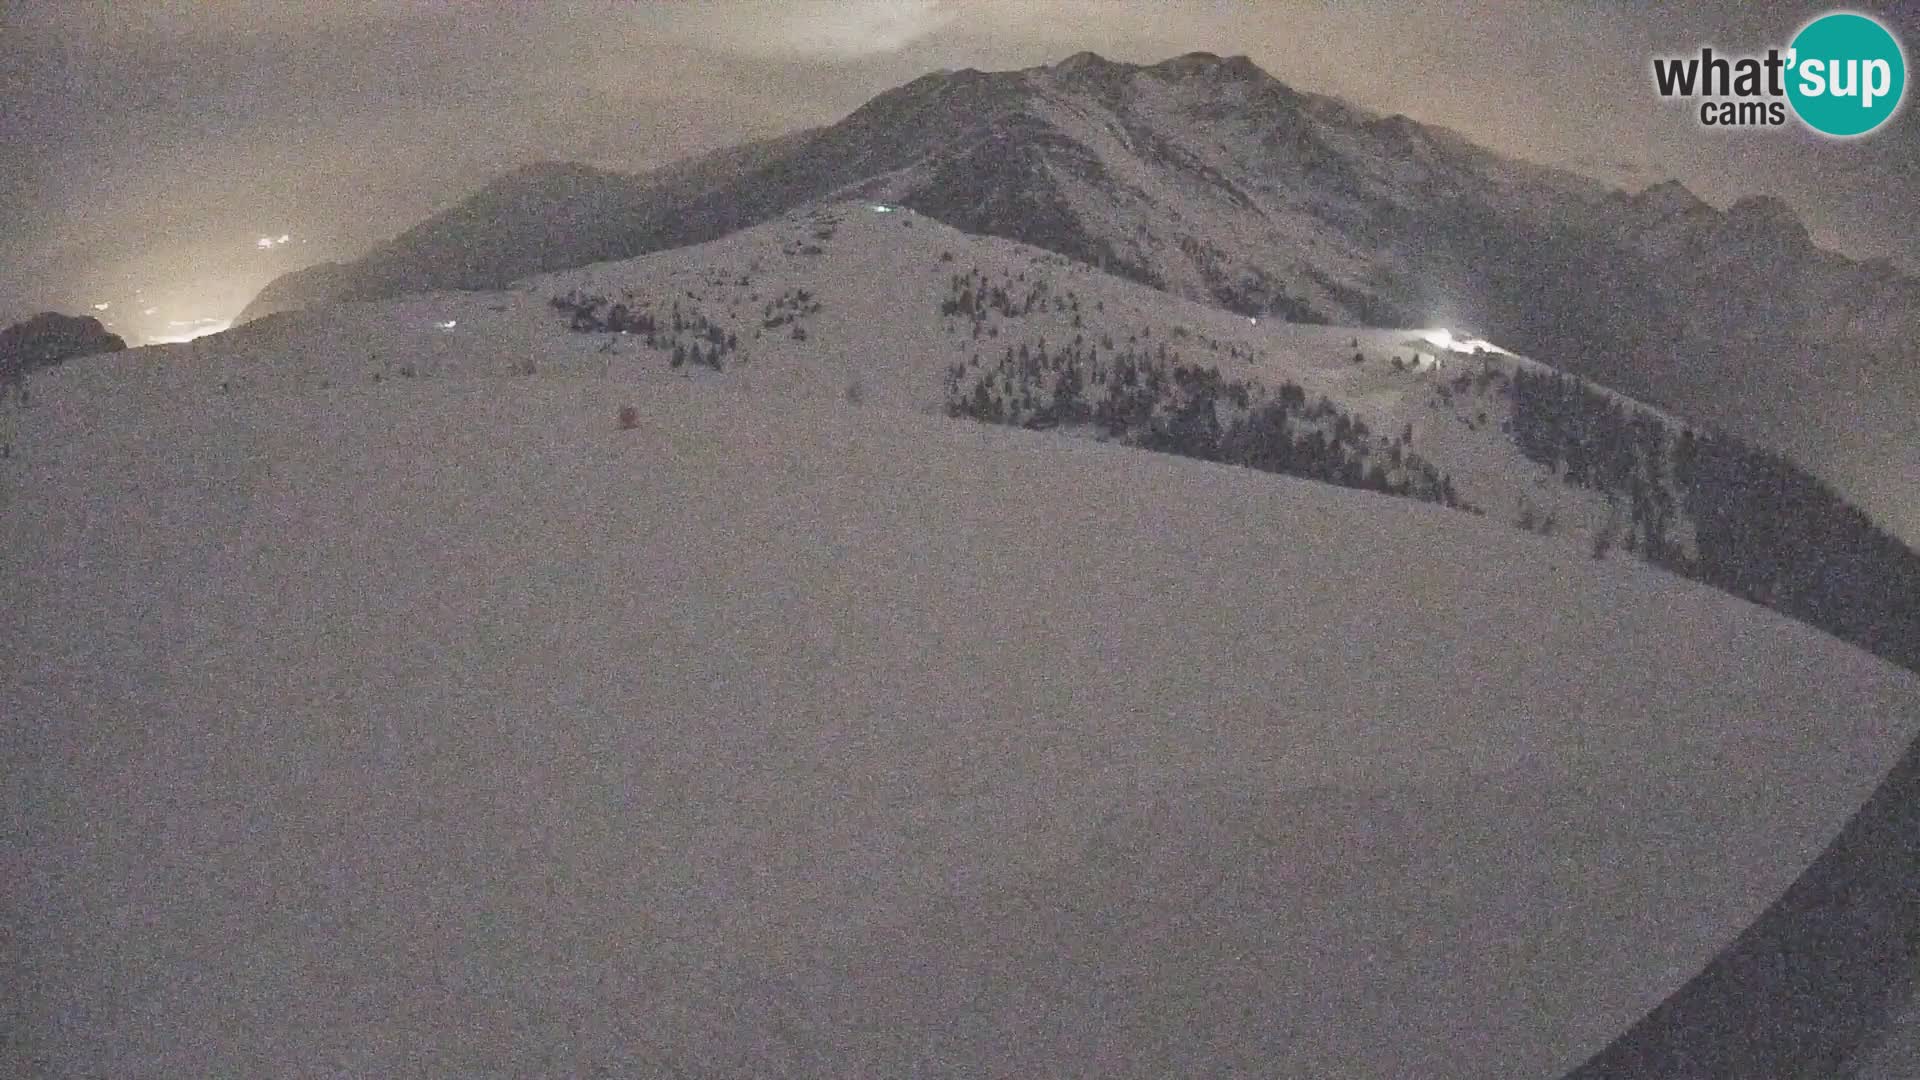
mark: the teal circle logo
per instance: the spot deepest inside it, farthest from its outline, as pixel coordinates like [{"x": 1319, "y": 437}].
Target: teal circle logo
[{"x": 1847, "y": 74}]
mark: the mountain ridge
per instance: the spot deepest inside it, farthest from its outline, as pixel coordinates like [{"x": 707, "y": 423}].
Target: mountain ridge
[
  {"x": 866, "y": 146},
  {"x": 1208, "y": 178},
  {"x": 921, "y": 316}
]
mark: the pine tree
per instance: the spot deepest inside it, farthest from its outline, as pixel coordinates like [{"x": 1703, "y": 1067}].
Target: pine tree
[{"x": 1067, "y": 389}]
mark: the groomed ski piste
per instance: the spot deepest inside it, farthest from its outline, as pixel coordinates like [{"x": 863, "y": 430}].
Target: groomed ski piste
[{"x": 443, "y": 725}]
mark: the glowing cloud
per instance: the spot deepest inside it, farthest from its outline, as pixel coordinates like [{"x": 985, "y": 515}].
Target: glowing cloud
[
  {"x": 840, "y": 29},
  {"x": 197, "y": 328}
]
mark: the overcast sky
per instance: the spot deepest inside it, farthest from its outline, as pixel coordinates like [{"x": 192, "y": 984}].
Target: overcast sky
[{"x": 149, "y": 144}]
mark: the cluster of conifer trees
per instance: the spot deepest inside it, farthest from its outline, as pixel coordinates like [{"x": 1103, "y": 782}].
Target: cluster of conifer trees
[
  {"x": 974, "y": 296},
  {"x": 1763, "y": 528},
  {"x": 687, "y": 336},
  {"x": 1153, "y": 400}
]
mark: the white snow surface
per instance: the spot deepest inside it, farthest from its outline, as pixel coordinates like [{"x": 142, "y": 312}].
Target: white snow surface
[
  {"x": 437, "y": 726},
  {"x": 880, "y": 280}
]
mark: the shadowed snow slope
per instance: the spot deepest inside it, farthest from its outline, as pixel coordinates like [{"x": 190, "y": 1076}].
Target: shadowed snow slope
[
  {"x": 1898, "y": 1056},
  {"x": 441, "y": 727}
]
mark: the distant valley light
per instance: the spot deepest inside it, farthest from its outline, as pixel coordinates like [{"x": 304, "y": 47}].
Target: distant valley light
[{"x": 188, "y": 329}]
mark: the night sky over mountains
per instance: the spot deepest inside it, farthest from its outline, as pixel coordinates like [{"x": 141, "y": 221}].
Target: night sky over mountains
[{"x": 156, "y": 154}]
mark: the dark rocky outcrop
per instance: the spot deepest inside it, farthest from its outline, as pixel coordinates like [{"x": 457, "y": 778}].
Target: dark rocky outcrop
[{"x": 51, "y": 338}]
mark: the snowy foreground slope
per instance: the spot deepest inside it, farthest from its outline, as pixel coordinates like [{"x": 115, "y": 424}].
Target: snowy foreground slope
[
  {"x": 1897, "y": 1057},
  {"x": 440, "y": 727}
]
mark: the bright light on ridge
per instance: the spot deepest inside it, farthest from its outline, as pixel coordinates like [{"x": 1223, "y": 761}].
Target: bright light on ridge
[{"x": 1443, "y": 338}]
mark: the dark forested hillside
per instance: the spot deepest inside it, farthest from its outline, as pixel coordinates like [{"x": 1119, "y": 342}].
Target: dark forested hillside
[{"x": 1762, "y": 527}]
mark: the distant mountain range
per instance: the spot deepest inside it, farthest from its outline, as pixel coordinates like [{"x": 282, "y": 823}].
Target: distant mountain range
[{"x": 1206, "y": 177}]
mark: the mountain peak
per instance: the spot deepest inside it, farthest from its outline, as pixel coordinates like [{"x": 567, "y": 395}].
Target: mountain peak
[
  {"x": 1399, "y": 125},
  {"x": 1671, "y": 199},
  {"x": 1090, "y": 69},
  {"x": 1086, "y": 60},
  {"x": 1767, "y": 214},
  {"x": 1206, "y": 63}
]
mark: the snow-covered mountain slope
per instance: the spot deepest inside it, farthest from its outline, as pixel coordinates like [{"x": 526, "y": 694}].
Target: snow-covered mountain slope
[
  {"x": 869, "y": 301},
  {"x": 849, "y": 299},
  {"x": 442, "y": 726},
  {"x": 882, "y": 287},
  {"x": 862, "y": 300},
  {"x": 1207, "y": 177},
  {"x": 1897, "y": 1056}
]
